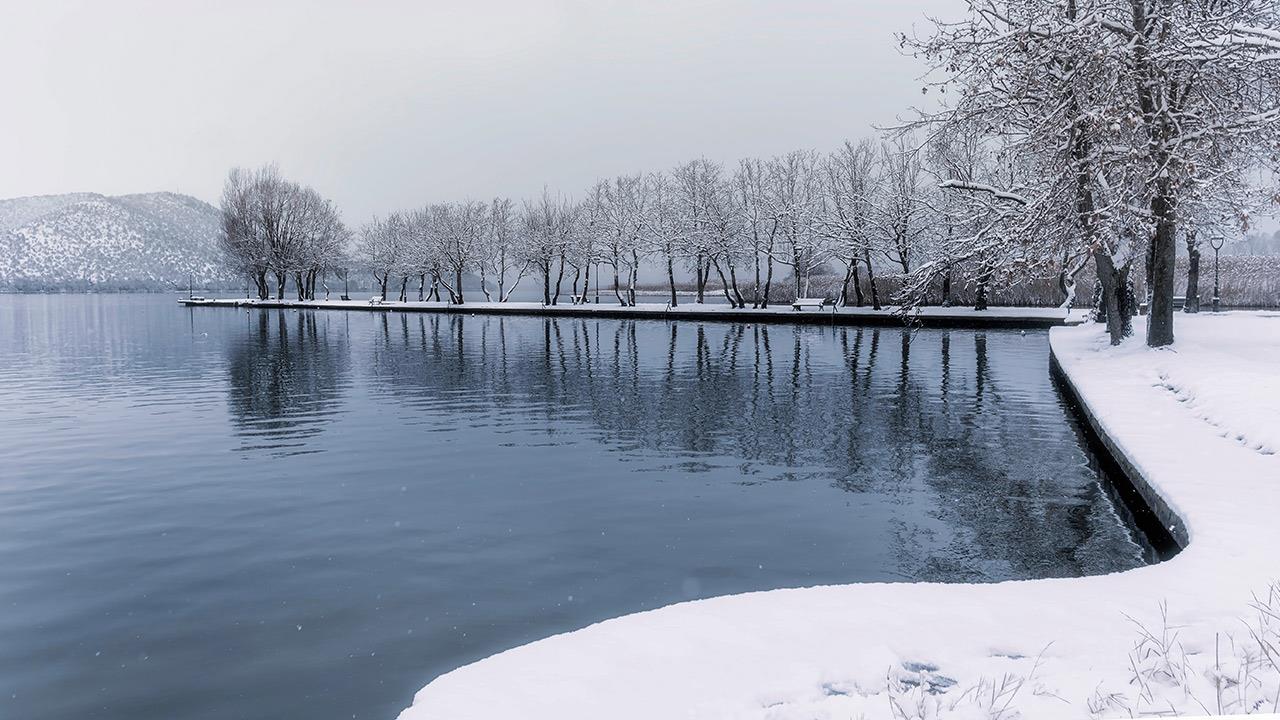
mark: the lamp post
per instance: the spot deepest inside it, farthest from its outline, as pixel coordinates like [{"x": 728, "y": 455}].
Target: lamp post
[{"x": 1216, "y": 244}]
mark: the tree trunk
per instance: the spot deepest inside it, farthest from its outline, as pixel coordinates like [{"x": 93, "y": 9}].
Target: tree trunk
[
  {"x": 1112, "y": 307},
  {"x": 404, "y": 288},
  {"x": 946, "y": 288},
  {"x": 724, "y": 284},
  {"x": 559, "y": 279},
  {"x": 984, "y": 279},
  {"x": 671, "y": 280},
  {"x": 546, "y": 283},
  {"x": 733, "y": 281},
  {"x": 768, "y": 280},
  {"x": 457, "y": 276},
  {"x": 702, "y": 278},
  {"x": 755, "y": 302},
  {"x": 282, "y": 279},
  {"x": 617, "y": 283},
  {"x": 1163, "y": 253},
  {"x": 1193, "y": 274},
  {"x": 871, "y": 280},
  {"x": 631, "y": 278}
]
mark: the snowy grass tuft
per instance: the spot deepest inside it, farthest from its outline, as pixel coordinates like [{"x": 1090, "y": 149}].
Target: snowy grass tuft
[
  {"x": 1237, "y": 674},
  {"x": 917, "y": 692}
]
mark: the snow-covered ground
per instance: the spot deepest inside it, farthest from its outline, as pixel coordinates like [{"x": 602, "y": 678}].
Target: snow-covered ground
[{"x": 1201, "y": 420}]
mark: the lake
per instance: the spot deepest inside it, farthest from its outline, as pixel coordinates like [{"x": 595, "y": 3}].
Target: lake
[{"x": 221, "y": 513}]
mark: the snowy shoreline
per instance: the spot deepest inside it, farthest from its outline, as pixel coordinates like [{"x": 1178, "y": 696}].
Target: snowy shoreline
[
  {"x": 933, "y": 316},
  {"x": 1199, "y": 425}
]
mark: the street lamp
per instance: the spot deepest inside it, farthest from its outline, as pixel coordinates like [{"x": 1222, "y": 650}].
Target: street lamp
[{"x": 1216, "y": 244}]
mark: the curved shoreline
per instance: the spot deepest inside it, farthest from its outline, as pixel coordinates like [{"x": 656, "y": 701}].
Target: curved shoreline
[
  {"x": 855, "y": 649},
  {"x": 1163, "y": 527}
]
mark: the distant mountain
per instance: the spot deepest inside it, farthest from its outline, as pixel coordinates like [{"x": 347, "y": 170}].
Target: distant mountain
[{"x": 87, "y": 241}]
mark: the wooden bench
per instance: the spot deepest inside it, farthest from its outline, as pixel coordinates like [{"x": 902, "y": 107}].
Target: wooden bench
[
  {"x": 802, "y": 303},
  {"x": 578, "y": 299},
  {"x": 1179, "y": 302},
  {"x": 375, "y": 300}
]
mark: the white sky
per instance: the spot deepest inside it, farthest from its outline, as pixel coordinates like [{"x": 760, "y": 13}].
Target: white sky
[{"x": 382, "y": 105}]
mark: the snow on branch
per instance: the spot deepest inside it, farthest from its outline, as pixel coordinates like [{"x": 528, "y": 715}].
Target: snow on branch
[{"x": 996, "y": 192}]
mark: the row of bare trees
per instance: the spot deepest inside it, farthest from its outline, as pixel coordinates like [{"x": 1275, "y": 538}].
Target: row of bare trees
[
  {"x": 740, "y": 229},
  {"x": 1071, "y": 132}
]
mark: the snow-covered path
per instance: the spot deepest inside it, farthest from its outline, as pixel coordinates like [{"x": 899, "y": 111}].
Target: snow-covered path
[{"x": 1202, "y": 423}]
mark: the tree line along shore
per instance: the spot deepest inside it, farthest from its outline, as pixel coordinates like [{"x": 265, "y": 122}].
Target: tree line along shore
[{"x": 1056, "y": 139}]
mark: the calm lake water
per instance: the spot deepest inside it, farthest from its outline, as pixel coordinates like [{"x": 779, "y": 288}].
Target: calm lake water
[{"x": 214, "y": 513}]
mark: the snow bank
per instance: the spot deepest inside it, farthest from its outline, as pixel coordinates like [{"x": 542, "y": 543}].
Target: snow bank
[
  {"x": 1223, "y": 373},
  {"x": 1201, "y": 421}
]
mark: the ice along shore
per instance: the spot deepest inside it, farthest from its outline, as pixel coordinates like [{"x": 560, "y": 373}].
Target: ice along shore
[
  {"x": 1198, "y": 423},
  {"x": 957, "y": 317}
]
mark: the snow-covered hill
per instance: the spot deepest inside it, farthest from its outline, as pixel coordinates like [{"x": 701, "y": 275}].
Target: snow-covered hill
[{"x": 87, "y": 241}]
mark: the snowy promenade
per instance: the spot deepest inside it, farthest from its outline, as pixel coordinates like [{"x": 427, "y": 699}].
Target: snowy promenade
[
  {"x": 1202, "y": 423},
  {"x": 1009, "y": 317}
]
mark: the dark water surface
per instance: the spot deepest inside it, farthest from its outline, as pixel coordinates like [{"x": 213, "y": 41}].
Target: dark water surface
[{"x": 214, "y": 513}]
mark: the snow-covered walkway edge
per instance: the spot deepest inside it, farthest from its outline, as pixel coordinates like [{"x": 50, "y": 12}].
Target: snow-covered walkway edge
[{"x": 1200, "y": 422}]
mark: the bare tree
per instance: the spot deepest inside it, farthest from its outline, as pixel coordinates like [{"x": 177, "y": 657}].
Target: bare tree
[
  {"x": 758, "y": 225},
  {"x": 270, "y": 224},
  {"x": 383, "y": 248},
  {"x": 898, "y": 206},
  {"x": 242, "y": 241},
  {"x": 458, "y": 229},
  {"x": 665, "y": 227},
  {"x": 793, "y": 199},
  {"x": 546, "y": 225},
  {"x": 499, "y": 256},
  {"x": 849, "y": 187},
  {"x": 618, "y": 210}
]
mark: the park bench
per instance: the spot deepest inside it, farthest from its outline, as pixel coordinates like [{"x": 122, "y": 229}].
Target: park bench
[
  {"x": 578, "y": 299},
  {"x": 375, "y": 300},
  {"x": 1179, "y": 302},
  {"x": 802, "y": 303}
]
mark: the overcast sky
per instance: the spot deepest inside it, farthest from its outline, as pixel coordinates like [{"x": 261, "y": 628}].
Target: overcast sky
[{"x": 385, "y": 105}]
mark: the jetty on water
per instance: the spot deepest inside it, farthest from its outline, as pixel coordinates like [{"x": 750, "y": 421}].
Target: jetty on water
[{"x": 933, "y": 316}]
